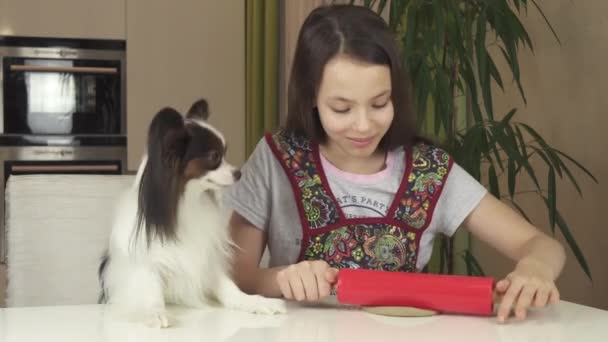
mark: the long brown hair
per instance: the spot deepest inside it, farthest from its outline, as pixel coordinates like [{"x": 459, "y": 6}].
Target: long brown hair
[{"x": 359, "y": 33}]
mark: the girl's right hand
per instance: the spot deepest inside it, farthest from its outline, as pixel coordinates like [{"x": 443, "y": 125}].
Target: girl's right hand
[{"x": 307, "y": 280}]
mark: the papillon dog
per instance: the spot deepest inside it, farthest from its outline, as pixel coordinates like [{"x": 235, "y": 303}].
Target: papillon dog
[{"x": 170, "y": 241}]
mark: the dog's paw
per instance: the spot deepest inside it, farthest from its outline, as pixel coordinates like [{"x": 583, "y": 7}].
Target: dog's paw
[
  {"x": 157, "y": 320},
  {"x": 262, "y": 305}
]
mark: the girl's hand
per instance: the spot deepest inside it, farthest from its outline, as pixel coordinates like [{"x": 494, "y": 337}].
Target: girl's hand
[
  {"x": 307, "y": 280},
  {"x": 529, "y": 285}
]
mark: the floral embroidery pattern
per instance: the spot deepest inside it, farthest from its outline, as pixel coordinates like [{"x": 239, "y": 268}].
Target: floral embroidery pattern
[
  {"x": 297, "y": 155},
  {"x": 371, "y": 246},
  {"x": 381, "y": 246},
  {"x": 425, "y": 181}
]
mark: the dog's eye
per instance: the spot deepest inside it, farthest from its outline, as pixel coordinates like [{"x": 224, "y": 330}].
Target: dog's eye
[{"x": 214, "y": 157}]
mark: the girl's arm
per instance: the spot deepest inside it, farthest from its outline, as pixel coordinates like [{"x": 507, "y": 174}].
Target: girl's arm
[
  {"x": 306, "y": 280},
  {"x": 539, "y": 257},
  {"x": 247, "y": 274}
]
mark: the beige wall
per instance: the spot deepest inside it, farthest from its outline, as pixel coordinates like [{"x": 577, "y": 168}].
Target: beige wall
[
  {"x": 63, "y": 18},
  {"x": 178, "y": 52},
  {"x": 566, "y": 91}
]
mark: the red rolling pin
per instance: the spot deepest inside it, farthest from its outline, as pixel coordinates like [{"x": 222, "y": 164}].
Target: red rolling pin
[{"x": 441, "y": 293}]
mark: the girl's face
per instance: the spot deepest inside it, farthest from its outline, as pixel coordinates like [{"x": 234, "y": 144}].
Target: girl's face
[{"x": 355, "y": 107}]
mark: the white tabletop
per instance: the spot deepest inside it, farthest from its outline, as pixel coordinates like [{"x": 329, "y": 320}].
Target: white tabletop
[{"x": 564, "y": 322}]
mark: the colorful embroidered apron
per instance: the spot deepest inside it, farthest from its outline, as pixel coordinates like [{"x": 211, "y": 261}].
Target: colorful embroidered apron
[{"x": 388, "y": 243}]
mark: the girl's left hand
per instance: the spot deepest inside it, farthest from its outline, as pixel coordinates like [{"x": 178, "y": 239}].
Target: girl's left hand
[{"x": 529, "y": 285}]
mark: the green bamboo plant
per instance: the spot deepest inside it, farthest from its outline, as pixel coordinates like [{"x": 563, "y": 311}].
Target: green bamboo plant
[{"x": 448, "y": 49}]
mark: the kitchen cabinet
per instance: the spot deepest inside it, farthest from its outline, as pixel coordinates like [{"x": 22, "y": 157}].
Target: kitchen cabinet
[{"x": 63, "y": 18}]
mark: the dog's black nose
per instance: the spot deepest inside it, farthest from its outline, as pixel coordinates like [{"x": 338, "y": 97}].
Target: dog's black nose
[{"x": 236, "y": 174}]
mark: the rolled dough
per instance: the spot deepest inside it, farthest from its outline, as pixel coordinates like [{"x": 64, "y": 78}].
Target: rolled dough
[{"x": 398, "y": 311}]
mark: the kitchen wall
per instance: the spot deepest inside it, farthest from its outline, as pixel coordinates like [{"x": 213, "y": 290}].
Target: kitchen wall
[
  {"x": 565, "y": 87},
  {"x": 178, "y": 52}
]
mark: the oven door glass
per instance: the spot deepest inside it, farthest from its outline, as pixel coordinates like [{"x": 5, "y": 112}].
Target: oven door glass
[{"x": 59, "y": 96}]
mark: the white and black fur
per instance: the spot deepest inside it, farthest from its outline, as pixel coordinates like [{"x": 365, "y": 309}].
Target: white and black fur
[{"x": 170, "y": 241}]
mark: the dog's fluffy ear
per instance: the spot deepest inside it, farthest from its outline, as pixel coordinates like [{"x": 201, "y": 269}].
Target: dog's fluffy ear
[
  {"x": 199, "y": 110},
  {"x": 159, "y": 189},
  {"x": 167, "y": 136}
]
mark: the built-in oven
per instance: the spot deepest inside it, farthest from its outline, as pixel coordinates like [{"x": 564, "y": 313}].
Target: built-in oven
[
  {"x": 62, "y": 86},
  {"x": 62, "y": 109}
]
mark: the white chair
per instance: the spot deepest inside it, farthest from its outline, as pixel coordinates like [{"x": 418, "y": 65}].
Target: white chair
[{"x": 57, "y": 230}]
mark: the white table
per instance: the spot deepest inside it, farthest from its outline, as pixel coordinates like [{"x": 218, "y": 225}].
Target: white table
[{"x": 565, "y": 322}]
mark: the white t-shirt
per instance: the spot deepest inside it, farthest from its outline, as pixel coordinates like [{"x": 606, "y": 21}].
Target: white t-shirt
[{"x": 264, "y": 197}]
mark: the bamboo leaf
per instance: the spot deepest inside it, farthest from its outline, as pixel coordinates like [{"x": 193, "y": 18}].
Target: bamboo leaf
[
  {"x": 479, "y": 141},
  {"x": 578, "y": 253},
  {"x": 541, "y": 153},
  {"x": 447, "y": 114},
  {"x": 493, "y": 180},
  {"x": 570, "y": 175},
  {"x": 518, "y": 28},
  {"x": 494, "y": 72},
  {"x": 565, "y": 230},
  {"x": 514, "y": 66},
  {"x": 557, "y": 163},
  {"x": 381, "y": 6},
  {"x": 526, "y": 164},
  {"x": 516, "y": 3},
  {"x": 531, "y": 173},
  {"x": 542, "y": 13},
  {"x": 505, "y": 137},
  {"x": 577, "y": 164},
  {"x": 521, "y": 141},
  {"x": 512, "y": 138},
  {"x": 506, "y": 120},
  {"x": 484, "y": 143},
  {"x": 478, "y": 269},
  {"x": 439, "y": 110},
  {"x": 552, "y": 197},
  {"x": 494, "y": 149},
  {"x": 469, "y": 265},
  {"x": 513, "y": 149},
  {"x": 397, "y": 14},
  {"x": 508, "y": 144},
  {"x": 439, "y": 21},
  {"x": 572, "y": 179},
  {"x": 473, "y": 266},
  {"x": 469, "y": 78},
  {"x": 511, "y": 177},
  {"x": 423, "y": 89},
  {"x": 548, "y": 150},
  {"x": 411, "y": 31},
  {"x": 443, "y": 255},
  {"x": 469, "y": 153},
  {"x": 482, "y": 63}
]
